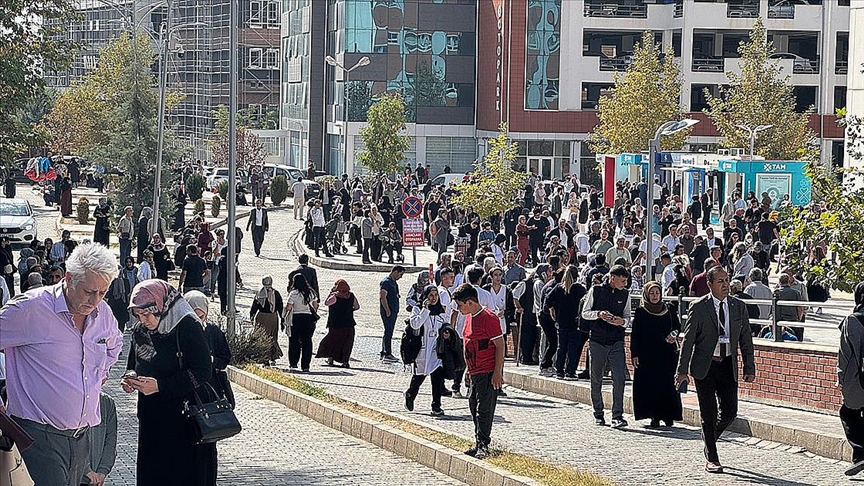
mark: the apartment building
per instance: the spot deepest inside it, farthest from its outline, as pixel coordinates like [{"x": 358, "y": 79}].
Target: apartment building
[
  {"x": 543, "y": 64},
  {"x": 424, "y": 49}
]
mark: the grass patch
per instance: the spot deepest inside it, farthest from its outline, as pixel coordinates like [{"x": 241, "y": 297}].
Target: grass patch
[{"x": 520, "y": 464}]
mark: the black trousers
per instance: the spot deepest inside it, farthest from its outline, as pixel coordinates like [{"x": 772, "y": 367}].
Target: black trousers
[
  {"x": 366, "y": 248},
  {"x": 482, "y": 398},
  {"x": 437, "y": 378},
  {"x": 318, "y": 239},
  {"x": 527, "y": 338},
  {"x": 257, "y": 238},
  {"x": 853, "y": 426},
  {"x": 535, "y": 248},
  {"x": 719, "y": 385},
  {"x": 551, "y": 333},
  {"x": 300, "y": 342}
]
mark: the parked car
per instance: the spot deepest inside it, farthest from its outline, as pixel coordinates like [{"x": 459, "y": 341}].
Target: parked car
[
  {"x": 800, "y": 65},
  {"x": 313, "y": 189},
  {"x": 445, "y": 179},
  {"x": 221, "y": 174},
  {"x": 17, "y": 222}
]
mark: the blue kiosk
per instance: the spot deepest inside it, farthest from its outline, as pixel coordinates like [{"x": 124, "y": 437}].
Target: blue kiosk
[{"x": 779, "y": 178}]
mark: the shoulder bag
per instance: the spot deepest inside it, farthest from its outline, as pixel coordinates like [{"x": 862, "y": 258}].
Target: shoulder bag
[
  {"x": 13, "y": 471},
  {"x": 211, "y": 421}
]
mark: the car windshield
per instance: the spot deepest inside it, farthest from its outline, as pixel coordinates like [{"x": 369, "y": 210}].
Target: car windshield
[{"x": 13, "y": 208}]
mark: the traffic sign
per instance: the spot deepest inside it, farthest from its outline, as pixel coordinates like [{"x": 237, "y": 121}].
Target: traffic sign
[
  {"x": 412, "y": 207},
  {"x": 412, "y": 232}
]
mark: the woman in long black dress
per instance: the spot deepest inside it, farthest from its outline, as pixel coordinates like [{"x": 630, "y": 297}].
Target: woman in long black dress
[
  {"x": 654, "y": 353},
  {"x": 102, "y": 229},
  {"x": 143, "y": 232},
  {"x": 166, "y": 453},
  {"x": 339, "y": 341},
  {"x": 216, "y": 341},
  {"x": 161, "y": 257}
]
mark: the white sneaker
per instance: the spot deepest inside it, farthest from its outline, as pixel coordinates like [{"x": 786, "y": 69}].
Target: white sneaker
[{"x": 547, "y": 372}]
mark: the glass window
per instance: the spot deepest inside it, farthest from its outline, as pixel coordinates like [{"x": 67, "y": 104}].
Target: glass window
[
  {"x": 540, "y": 147},
  {"x": 255, "y": 58},
  {"x": 562, "y": 148}
]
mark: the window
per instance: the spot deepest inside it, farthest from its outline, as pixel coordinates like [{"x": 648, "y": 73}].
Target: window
[
  {"x": 272, "y": 13},
  {"x": 271, "y": 59},
  {"x": 255, "y": 60},
  {"x": 255, "y": 9}
]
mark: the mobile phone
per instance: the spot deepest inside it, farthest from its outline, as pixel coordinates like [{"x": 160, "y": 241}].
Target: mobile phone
[
  {"x": 682, "y": 388},
  {"x": 130, "y": 375}
]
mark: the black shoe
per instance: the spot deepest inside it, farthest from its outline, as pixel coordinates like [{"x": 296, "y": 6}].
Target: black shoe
[
  {"x": 619, "y": 423},
  {"x": 669, "y": 423},
  {"x": 482, "y": 453},
  {"x": 437, "y": 412},
  {"x": 599, "y": 421},
  {"x": 346, "y": 365},
  {"x": 653, "y": 424},
  {"x": 560, "y": 376},
  {"x": 583, "y": 376},
  {"x": 570, "y": 377},
  {"x": 471, "y": 452},
  {"x": 409, "y": 402},
  {"x": 501, "y": 392},
  {"x": 446, "y": 393}
]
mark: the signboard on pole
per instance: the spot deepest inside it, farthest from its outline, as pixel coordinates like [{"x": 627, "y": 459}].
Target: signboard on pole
[
  {"x": 412, "y": 232},
  {"x": 412, "y": 207}
]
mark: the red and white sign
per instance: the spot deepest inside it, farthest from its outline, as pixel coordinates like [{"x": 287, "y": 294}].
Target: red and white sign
[{"x": 412, "y": 232}]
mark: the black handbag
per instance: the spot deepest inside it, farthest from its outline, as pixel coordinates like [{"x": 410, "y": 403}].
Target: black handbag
[{"x": 210, "y": 421}]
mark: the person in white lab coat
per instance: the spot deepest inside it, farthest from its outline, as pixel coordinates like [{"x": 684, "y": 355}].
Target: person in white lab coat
[{"x": 427, "y": 317}]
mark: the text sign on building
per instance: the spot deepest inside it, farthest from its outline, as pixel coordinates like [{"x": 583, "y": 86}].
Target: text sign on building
[
  {"x": 412, "y": 232},
  {"x": 499, "y": 56}
]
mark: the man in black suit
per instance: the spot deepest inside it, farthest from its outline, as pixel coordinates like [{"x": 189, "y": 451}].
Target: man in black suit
[
  {"x": 706, "y": 201},
  {"x": 259, "y": 224},
  {"x": 717, "y": 325},
  {"x": 308, "y": 272}
]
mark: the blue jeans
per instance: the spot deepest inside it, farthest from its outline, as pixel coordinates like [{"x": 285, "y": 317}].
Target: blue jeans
[
  {"x": 125, "y": 250},
  {"x": 389, "y": 326}
]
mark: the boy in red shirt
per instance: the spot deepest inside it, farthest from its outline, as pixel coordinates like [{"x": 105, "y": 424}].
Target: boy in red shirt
[{"x": 484, "y": 357}]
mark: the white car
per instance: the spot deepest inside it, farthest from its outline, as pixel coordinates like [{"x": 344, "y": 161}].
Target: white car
[
  {"x": 313, "y": 189},
  {"x": 17, "y": 222},
  {"x": 220, "y": 174},
  {"x": 446, "y": 179}
]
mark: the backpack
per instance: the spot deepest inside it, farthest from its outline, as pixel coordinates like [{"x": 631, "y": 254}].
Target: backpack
[{"x": 410, "y": 344}]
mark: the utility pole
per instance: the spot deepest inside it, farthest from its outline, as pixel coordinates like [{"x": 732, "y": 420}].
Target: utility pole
[{"x": 231, "y": 231}]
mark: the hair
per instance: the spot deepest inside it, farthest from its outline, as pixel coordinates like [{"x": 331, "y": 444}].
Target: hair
[
  {"x": 93, "y": 258},
  {"x": 736, "y": 285},
  {"x": 619, "y": 271},
  {"x": 714, "y": 271},
  {"x": 785, "y": 279},
  {"x": 397, "y": 268},
  {"x": 475, "y": 274},
  {"x": 300, "y": 284},
  {"x": 755, "y": 274},
  {"x": 571, "y": 275},
  {"x": 465, "y": 292},
  {"x": 303, "y": 259}
]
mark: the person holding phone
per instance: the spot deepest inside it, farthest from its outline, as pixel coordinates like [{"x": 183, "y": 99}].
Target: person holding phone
[
  {"x": 717, "y": 326},
  {"x": 654, "y": 354}
]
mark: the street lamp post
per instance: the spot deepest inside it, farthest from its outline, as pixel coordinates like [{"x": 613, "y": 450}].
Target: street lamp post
[
  {"x": 231, "y": 264},
  {"x": 667, "y": 128},
  {"x": 364, "y": 61},
  {"x": 751, "y": 132}
]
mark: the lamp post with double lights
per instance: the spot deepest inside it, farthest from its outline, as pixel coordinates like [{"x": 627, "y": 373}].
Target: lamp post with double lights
[
  {"x": 751, "y": 132},
  {"x": 364, "y": 61},
  {"x": 668, "y": 128}
]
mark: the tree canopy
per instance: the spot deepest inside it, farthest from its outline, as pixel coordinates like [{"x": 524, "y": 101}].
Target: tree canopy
[
  {"x": 644, "y": 97},
  {"x": 384, "y": 144},
  {"x": 760, "y": 95}
]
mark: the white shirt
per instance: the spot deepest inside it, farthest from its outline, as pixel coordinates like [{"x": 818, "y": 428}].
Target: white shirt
[
  {"x": 4, "y": 290},
  {"x": 668, "y": 276},
  {"x": 259, "y": 216},
  {"x": 500, "y": 300},
  {"x": 723, "y": 334},
  {"x": 299, "y": 189},
  {"x": 317, "y": 215},
  {"x": 427, "y": 360},
  {"x": 300, "y": 306},
  {"x": 144, "y": 271},
  {"x": 670, "y": 242},
  {"x": 582, "y": 243},
  {"x": 655, "y": 249},
  {"x": 446, "y": 300},
  {"x": 658, "y": 190}
]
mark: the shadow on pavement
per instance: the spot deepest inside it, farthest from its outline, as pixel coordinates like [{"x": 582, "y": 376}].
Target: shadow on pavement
[{"x": 756, "y": 478}]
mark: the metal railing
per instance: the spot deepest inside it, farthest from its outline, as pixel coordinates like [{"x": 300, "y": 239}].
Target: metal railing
[
  {"x": 748, "y": 11},
  {"x": 615, "y": 10},
  {"x": 679, "y": 9},
  {"x": 781, "y": 11},
  {"x": 776, "y": 325},
  {"x": 841, "y": 67},
  {"x": 708, "y": 65},
  {"x": 805, "y": 66},
  {"x": 613, "y": 64}
]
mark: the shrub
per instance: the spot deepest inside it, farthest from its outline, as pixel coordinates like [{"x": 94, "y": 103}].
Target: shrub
[
  {"x": 252, "y": 347},
  {"x": 222, "y": 190},
  {"x": 195, "y": 186},
  {"x": 199, "y": 206},
  {"x": 278, "y": 189},
  {"x": 216, "y": 205},
  {"x": 83, "y": 210}
]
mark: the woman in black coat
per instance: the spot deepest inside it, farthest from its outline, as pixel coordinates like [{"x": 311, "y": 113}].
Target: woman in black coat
[
  {"x": 102, "y": 229},
  {"x": 220, "y": 352},
  {"x": 654, "y": 353},
  {"x": 168, "y": 360},
  {"x": 143, "y": 233}
]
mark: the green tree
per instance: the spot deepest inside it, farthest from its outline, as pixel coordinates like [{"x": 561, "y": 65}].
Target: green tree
[
  {"x": 644, "y": 97},
  {"x": 384, "y": 144},
  {"x": 77, "y": 123},
  {"x": 494, "y": 184},
  {"x": 30, "y": 46},
  {"x": 760, "y": 95},
  {"x": 250, "y": 150}
]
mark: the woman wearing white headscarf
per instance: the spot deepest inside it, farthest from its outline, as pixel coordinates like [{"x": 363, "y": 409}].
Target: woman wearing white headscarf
[
  {"x": 265, "y": 312},
  {"x": 220, "y": 352},
  {"x": 166, "y": 329}
]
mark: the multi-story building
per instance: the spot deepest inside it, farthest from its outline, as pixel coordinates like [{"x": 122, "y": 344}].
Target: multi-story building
[
  {"x": 426, "y": 50},
  {"x": 855, "y": 100},
  {"x": 543, "y": 65},
  {"x": 198, "y": 66}
]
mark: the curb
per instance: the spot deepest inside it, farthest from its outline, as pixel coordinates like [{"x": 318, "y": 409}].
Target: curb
[
  {"x": 301, "y": 249},
  {"x": 829, "y": 446},
  {"x": 434, "y": 456}
]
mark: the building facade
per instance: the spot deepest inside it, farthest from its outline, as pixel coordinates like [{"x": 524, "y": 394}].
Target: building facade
[
  {"x": 425, "y": 50},
  {"x": 543, "y": 65}
]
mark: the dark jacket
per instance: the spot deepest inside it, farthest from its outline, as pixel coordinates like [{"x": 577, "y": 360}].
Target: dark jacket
[
  {"x": 311, "y": 277},
  {"x": 611, "y": 300},
  {"x": 265, "y": 222},
  {"x": 451, "y": 353}
]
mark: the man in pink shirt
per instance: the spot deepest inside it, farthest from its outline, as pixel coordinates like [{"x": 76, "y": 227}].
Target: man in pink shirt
[{"x": 60, "y": 342}]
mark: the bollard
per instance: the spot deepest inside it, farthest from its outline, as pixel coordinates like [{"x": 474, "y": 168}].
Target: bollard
[
  {"x": 775, "y": 328},
  {"x": 681, "y": 291}
]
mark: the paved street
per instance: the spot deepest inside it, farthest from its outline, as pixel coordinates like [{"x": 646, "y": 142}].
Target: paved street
[{"x": 548, "y": 428}]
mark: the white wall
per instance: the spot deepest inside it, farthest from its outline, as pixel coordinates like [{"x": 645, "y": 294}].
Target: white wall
[{"x": 855, "y": 79}]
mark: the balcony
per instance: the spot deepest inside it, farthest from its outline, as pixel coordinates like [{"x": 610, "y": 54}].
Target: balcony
[
  {"x": 615, "y": 10},
  {"x": 800, "y": 65},
  {"x": 707, "y": 64},
  {"x": 841, "y": 67},
  {"x": 619, "y": 63},
  {"x": 742, "y": 11},
  {"x": 781, "y": 11},
  {"x": 679, "y": 9}
]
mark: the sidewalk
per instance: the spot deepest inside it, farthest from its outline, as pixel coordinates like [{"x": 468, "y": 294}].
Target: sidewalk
[{"x": 353, "y": 261}]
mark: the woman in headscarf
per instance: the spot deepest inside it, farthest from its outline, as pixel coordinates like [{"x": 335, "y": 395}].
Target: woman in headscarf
[
  {"x": 339, "y": 341},
  {"x": 415, "y": 294},
  {"x": 102, "y": 229},
  {"x": 143, "y": 232},
  {"x": 265, "y": 313},
  {"x": 167, "y": 333},
  {"x": 220, "y": 352},
  {"x": 161, "y": 257},
  {"x": 849, "y": 378},
  {"x": 66, "y": 197},
  {"x": 303, "y": 306},
  {"x": 654, "y": 354},
  {"x": 427, "y": 320}
]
